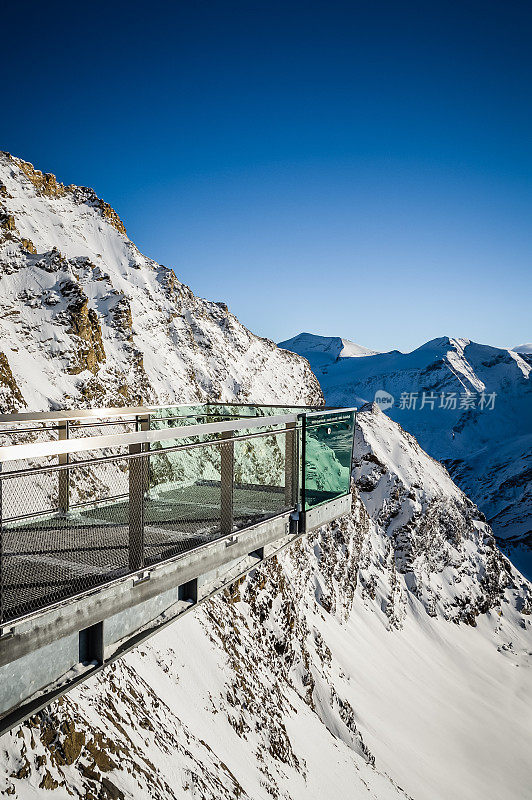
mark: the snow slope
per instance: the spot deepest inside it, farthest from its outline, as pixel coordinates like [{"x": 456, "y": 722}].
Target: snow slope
[
  {"x": 386, "y": 656},
  {"x": 86, "y": 319},
  {"x": 523, "y": 348},
  {"x": 489, "y": 450}
]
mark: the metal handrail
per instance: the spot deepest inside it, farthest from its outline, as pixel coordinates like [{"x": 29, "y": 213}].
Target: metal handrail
[
  {"x": 125, "y": 411},
  {"x": 20, "y": 473},
  {"x": 329, "y": 410},
  {"x": 17, "y": 452}
]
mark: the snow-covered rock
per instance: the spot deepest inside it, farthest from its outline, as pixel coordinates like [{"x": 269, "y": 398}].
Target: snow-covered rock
[
  {"x": 86, "y": 319},
  {"x": 441, "y": 542}
]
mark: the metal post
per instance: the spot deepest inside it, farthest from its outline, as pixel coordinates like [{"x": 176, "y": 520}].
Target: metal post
[
  {"x": 138, "y": 479},
  {"x": 290, "y": 465},
  {"x": 303, "y": 470},
  {"x": 64, "y": 474},
  {"x": 227, "y": 469},
  {"x": 144, "y": 425}
]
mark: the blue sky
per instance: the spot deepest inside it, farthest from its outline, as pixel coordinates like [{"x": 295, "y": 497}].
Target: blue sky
[{"x": 344, "y": 168}]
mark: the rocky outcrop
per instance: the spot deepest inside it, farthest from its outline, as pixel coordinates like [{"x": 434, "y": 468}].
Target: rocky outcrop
[
  {"x": 10, "y": 395},
  {"x": 85, "y": 327},
  {"x": 47, "y": 185}
]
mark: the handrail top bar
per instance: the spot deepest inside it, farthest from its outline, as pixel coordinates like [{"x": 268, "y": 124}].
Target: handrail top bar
[
  {"x": 124, "y": 411},
  {"x": 18, "y": 452},
  {"x": 74, "y": 414},
  {"x": 330, "y": 410}
]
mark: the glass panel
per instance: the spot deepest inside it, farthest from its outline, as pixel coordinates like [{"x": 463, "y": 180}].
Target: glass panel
[
  {"x": 183, "y": 501},
  {"x": 179, "y": 415},
  {"x": 261, "y": 488},
  {"x": 328, "y": 453},
  {"x": 214, "y": 412}
]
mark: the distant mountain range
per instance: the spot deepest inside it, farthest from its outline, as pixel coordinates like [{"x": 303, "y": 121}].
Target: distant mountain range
[{"x": 469, "y": 405}]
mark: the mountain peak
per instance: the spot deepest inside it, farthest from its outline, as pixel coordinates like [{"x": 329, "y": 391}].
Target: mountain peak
[
  {"x": 322, "y": 350},
  {"x": 444, "y": 343},
  {"x": 523, "y": 348},
  {"x": 45, "y": 184}
]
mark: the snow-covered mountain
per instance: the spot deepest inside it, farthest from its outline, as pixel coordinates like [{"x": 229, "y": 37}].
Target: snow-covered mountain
[
  {"x": 86, "y": 319},
  {"x": 467, "y": 404},
  {"x": 322, "y": 350},
  {"x": 386, "y": 656},
  {"x": 523, "y": 348}
]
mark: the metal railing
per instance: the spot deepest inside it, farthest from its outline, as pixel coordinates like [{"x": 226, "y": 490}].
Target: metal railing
[{"x": 78, "y": 511}]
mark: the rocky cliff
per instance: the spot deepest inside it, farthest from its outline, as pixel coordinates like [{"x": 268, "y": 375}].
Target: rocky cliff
[{"x": 86, "y": 319}]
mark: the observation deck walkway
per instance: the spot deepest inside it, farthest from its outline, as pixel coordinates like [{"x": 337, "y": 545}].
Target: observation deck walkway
[{"x": 113, "y": 522}]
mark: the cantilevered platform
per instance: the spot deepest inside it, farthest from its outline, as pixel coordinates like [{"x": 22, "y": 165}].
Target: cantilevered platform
[{"x": 109, "y": 536}]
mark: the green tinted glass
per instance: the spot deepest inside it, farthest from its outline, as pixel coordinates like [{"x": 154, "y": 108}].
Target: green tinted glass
[{"x": 328, "y": 453}]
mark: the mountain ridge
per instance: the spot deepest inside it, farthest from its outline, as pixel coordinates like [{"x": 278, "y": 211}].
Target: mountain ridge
[{"x": 470, "y": 406}]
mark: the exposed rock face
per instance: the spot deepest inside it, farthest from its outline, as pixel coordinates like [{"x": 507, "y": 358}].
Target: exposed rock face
[
  {"x": 85, "y": 326},
  {"x": 85, "y": 318},
  {"x": 11, "y": 398}
]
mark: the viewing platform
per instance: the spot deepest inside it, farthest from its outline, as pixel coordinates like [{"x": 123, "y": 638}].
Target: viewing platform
[{"x": 114, "y": 522}]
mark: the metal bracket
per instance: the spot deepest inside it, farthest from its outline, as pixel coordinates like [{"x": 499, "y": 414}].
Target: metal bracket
[
  {"x": 7, "y": 633},
  {"x": 142, "y": 578},
  {"x": 231, "y": 540}
]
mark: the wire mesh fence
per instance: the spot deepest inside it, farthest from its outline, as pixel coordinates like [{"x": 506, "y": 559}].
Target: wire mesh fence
[{"x": 67, "y": 528}]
